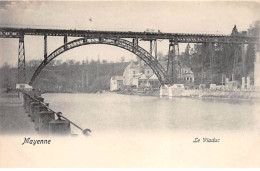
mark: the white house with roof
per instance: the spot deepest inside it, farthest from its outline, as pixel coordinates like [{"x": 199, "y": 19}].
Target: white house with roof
[
  {"x": 186, "y": 74},
  {"x": 143, "y": 81},
  {"x": 140, "y": 75},
  {"x": 116, "y": 83},
  {"x": 130, "y": 74}
]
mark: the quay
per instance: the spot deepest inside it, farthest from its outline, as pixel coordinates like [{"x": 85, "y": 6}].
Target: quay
[
  {"x": 24, "y": 112},
  {"x": 13, "y": 119}
]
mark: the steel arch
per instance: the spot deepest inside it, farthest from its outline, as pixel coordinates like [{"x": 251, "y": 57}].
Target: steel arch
[{"x": 122, "y": 43}]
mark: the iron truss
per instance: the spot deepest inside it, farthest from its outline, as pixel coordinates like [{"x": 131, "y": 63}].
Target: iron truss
[
  {"x": 147, "y": 36},
  {"x": 125, "y": 44}
]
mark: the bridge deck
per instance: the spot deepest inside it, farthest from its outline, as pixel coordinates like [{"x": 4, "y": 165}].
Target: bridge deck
[
  {"x": 13, "y": 119},
  {"x": 6, "y": 32}
]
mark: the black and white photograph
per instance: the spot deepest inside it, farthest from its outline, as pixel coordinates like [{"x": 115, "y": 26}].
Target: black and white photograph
[{"x": 129, "y": 84}]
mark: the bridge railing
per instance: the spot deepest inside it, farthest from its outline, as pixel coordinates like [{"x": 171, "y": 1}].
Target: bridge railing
[{"x": 46, "y": 120}]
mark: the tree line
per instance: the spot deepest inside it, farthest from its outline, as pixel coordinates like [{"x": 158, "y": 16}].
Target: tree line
[
  {"x": 67, "y": 76},
  {"x": 225, "y": 61}
]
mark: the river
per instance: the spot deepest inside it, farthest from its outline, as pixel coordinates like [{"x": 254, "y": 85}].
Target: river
[{"x": 117, "y": 112}]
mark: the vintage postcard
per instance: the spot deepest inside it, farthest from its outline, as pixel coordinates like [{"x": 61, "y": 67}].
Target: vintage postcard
[{"x": 131, "y": 84}]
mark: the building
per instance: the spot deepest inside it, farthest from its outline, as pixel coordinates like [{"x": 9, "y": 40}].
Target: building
[
  {"x": 186, "y": 74},
  {"x": 140, "y": 75},
  {"x": 116, "y": 83},
  {"x": 154, "y": 82},
  {"x": 130, "y": 74},
  {"x": 183, "y": 72}
]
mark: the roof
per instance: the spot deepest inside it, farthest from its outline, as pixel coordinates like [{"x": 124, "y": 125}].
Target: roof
[
  {"x": 132, "y": 65},
  {"x": 153, "y": 77},
  {"x": 145, "y": 66},
  {"x": 117, "y": 77},
  {"x": 138, "y": 75},
  {"x": 143, "y": 77}
]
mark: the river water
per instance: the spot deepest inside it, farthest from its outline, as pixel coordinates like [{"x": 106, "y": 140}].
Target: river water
[{"x": 117, "y": 112}]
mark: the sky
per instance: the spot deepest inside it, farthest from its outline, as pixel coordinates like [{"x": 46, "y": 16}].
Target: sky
[{"x": 169, "y": 16}]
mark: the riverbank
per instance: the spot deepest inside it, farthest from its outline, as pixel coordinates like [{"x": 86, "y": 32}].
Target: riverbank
[
  {"x": 205, "y": 93},
  {"x": 192, "y": 93}
]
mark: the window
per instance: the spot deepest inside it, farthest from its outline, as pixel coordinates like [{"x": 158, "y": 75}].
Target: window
[{"x": 134, "y": 72}]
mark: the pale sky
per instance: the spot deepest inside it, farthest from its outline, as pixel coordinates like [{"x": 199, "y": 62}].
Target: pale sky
[{"x": 170, "y": 16}]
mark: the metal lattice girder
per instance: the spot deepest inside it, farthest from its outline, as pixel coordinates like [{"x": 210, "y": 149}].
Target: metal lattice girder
[
  {"x": 21, "y": 61},
  {"x": 175, "y": 37},
  {"x": 125, "y": 44}
]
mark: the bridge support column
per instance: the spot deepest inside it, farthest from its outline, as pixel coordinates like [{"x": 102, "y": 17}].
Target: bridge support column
[
  {"x": 173, "y": 56},
  {"x": 153, "y": 49},
  {"x": 21, "y": 61},
  {"x": 45, "y": 47},
  {"x": 236, "y": 56},
  {"x": 211, "y": 58},
  {"x": 135, "y": 44},
  {"x": 66, "y": 40},
  {"x": 240, "y": 52},
  {"x": 243, "y": 55}
]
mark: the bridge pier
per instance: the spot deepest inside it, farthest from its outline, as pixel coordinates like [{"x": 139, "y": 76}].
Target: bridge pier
[
  {"x": 21, "y": 61},
  {"x": 135, "y": 44},
  {"x": 243, "y": 55},
  {"x": 173, "y": 55},
  {"x": 211, "y": 58},
  {"x": 66, "y": 40},
  {"x": 45, "y": 48},
  {"x": 153, "y": 50},
  {"x": 240, "y": 53}
]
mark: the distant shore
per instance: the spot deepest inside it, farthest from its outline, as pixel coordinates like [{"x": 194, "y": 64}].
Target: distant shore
[
  {"x": 191, "y": 93},
  {"x": 206, "y": 93}
]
